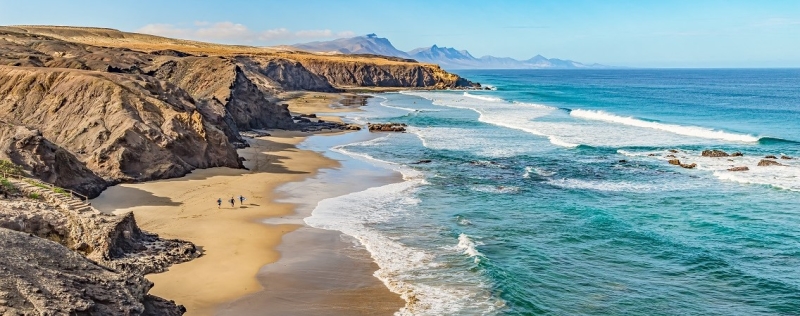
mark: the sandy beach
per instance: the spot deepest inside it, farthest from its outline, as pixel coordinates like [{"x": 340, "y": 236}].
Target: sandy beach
[{"x": 235, "y": 242}]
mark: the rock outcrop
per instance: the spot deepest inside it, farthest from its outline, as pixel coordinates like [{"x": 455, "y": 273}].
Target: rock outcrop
[
  {"x": 742, "y": 168},
  {"x": 27, "y": 148},
  {"x": 56, "y": 260},
  {"x": 42, "y": 277},
  {"x": 767, "y": 163},
  {"x": 674, "y": 162},
  {"x": 387, "y": 127},
  {"x": 714, "y": 153}
]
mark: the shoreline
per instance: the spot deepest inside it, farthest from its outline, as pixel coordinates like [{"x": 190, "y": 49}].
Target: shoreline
[{"x": 241, "y": 246}]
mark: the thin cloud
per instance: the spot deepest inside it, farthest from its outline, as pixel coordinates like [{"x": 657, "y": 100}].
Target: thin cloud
[
  {"x": 777, "y": 22},
  {"x": 525, "y": 27},
  {"x": 230, "y": 32}
]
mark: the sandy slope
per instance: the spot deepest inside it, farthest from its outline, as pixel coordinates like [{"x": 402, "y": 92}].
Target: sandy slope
[{"x": 235, "y": 245}]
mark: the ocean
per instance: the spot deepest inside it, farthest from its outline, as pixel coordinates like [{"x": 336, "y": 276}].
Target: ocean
[{"x": 552, "y": 194}]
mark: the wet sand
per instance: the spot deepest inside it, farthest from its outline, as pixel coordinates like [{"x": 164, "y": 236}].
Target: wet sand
[{"x": 322, "y": 274}]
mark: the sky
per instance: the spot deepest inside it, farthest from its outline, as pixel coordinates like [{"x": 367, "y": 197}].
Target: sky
[{"x": 621, "y": 33}]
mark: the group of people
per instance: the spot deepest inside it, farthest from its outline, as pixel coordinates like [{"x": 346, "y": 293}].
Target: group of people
[{"x": 232, "y": 201}]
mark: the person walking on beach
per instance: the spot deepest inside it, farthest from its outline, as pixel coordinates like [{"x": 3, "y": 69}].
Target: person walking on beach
[
  {"x": 233, "y": 202},
  {"x": 241, "y": 200},
  {"x": 219, "y": 202}
]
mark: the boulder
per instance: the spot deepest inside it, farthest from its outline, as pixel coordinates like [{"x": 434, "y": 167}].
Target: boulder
[
  {"x": 767, "y": 163},
  {"x": 674, "y": 151},
  {"x": 675, "y": 162},
  {"x": 737, "y": 154},
  {"x": 352, "y": 127},
  {"x": 770, "y": 157},
  {"x": 387, "y": 127},
  {"x": 786, "y": 157},
  {"x": 743, "y": 168},
  {"x": 689, "y": 166},
  {"x": 714, "y": 153},
  {"x": 423, "y": 161}
]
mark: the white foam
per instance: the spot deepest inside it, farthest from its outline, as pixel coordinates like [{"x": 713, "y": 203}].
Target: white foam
[
  {"x": 403, "y": 269},
  {"x": 692, "y": 131},
  {"x": 494, "y": 145},
  {"x": 466, "y": 245},
  {"x": 482, "y": 97},
  {"x": 617, "y": 186},
  {"x": 494, "y": 189},
  {"x": 580, "y": 126},
  {"x": 783, "y": 177}
]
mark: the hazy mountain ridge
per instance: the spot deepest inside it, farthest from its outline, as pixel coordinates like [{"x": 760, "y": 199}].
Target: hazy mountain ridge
[{"x": 446, "y": 57}]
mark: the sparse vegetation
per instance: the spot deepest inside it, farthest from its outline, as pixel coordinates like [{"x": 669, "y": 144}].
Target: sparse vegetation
[
  {"x": 34, "y": 196},
  {"x": 6, "y": 186},
  {"x": 10, "y": 168}
]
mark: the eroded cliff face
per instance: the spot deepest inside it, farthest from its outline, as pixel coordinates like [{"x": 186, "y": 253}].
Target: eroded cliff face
[
  {"x": 347, "y": 73},
  {"x": 45, "y": 160},
  {"x": 122, "y": 127}
]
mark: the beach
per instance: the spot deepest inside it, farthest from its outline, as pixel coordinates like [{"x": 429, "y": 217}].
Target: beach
[{"x": 235, "y": 241}]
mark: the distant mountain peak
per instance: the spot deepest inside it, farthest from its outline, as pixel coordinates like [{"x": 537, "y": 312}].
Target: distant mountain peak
[{"x": 446, "y": 57}]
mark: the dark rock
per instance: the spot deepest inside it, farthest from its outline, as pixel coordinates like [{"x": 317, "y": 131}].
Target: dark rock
[
  {"x": 766, "y": 163},
  {"x": 387, "y": 127},
  {"x": 675, "y": 162},
  {"x": 786, "y": 157},
  {"x": 737, "y": 154},
  {"x": 674, "y": 151},
  {"x": 423, "y": 161},
  {"x": 770, "y": 157},
  {"x": 714, "y": 153},
  {"x": 689, "y": 166},
  {"x": 739, "y": 169},
  {"x": 623, "y": 161}
]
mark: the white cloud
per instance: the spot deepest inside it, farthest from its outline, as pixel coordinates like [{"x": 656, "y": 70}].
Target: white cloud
[{"x": 229, "y": 32}]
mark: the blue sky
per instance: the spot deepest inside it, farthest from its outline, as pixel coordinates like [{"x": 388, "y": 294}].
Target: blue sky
[{"x": 623, "y": 33}]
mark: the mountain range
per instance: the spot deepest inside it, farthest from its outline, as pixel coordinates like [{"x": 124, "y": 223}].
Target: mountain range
[{"x": 446, "y": 57}]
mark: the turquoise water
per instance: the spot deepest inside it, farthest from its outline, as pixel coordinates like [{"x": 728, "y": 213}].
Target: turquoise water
[{"x": 552, "y": 195}]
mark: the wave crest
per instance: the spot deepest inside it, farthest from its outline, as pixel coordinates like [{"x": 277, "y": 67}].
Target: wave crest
[{"x": 692, "y": 131}]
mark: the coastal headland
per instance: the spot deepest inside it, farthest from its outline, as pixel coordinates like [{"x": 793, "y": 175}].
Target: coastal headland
[{"x": 158, "y": 129}]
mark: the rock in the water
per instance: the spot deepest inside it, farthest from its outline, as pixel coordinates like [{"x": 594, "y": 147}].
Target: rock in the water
[
  {"x": 689, "y": 166},
  {"x": 623, "y": 161},
  {"x": 737, "y": 154},
  {"x": 714, "y": 153},
  {"x": 770, "y": 157},
  {"x": 423, "y": 161},
  {"x": 352, "y": 127},
  {"x": 674, "y": 151},
  {"x": 743, "y": 168},
  {"x": 387, "y": 127},
  {"x": 675, "y": 162},
  {"x": 786, "y": 157},
  {"x": 766, "y": 163}
]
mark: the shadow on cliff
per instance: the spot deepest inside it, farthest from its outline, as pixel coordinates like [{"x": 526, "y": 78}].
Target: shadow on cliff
[{"x": 127, "y": 197}]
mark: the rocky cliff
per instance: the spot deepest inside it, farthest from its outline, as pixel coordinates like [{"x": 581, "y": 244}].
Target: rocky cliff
[
  {"x": 58, "y": 260},
  {"x": 118, "y": 107}
]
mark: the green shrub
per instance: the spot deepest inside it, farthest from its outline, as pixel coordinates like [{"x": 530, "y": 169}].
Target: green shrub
[
  {"x": 34, "y": 196},
  {"x": 10, "y": 168},
  {"x": 60, "y": 191},
  {"x": 7, "y": 186}
]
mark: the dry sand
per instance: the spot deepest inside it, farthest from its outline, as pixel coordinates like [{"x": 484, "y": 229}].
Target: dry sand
[
  {"x": 320, "y": 103},
  {"x": 234, "y": 244}
]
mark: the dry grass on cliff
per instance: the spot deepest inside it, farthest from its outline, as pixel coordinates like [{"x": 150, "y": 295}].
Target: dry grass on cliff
[{"x": 144, "y": 42}]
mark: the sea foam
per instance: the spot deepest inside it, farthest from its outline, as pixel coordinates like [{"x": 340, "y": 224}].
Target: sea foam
[
  {"x": 403, "y": 269},
  {"x": 692, "y": 131}
]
